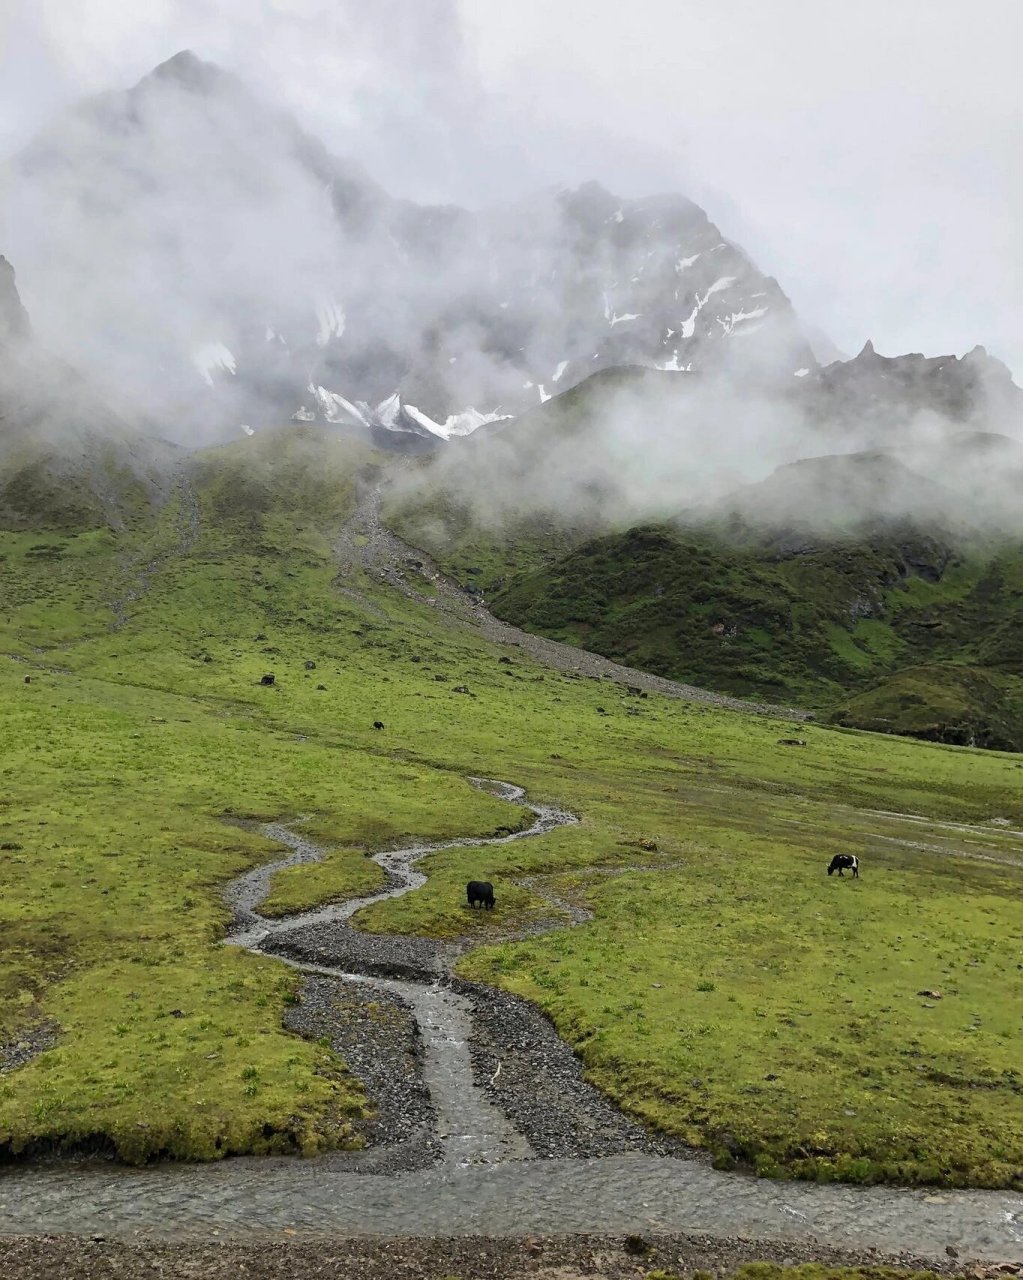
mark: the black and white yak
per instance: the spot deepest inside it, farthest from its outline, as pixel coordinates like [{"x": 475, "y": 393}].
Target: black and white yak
[{"x": 842, "y": 860}]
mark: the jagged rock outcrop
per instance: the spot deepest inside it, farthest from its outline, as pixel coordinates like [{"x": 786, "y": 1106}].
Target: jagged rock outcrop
[
  {"x": 876, "y": 400},
  {"x": 14, "y": 325}
]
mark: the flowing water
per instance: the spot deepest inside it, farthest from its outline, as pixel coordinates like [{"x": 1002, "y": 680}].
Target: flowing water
[{"x": 488, "y": 1181}]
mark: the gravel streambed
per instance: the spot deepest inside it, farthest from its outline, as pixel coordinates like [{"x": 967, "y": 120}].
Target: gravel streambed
[
  {"x": 378, "y": 1036},
  {"x": 537, "y": 1080},
  {"x": 602, "y": 1257},
  {"x": 429, "y": 1103},
  {"x": 480, "y": 1080}
]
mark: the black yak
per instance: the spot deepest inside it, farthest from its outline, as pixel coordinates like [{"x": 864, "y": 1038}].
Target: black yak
[{"x": 481, "y": 891}]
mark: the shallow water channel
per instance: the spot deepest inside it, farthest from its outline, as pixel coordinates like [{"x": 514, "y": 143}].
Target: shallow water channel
[{"x": 489, "y": 1179}]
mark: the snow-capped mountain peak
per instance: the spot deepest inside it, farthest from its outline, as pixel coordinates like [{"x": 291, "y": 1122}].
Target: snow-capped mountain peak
[{"x": 214, "y": 198}]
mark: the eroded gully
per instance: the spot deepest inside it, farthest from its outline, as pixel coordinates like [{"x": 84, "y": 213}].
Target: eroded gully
[{"x": 488, "y": 1179}]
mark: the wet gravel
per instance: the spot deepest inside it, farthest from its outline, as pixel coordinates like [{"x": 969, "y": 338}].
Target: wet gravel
[
  {"x": 601, "y": 1172},
  {"x": 26, "y": 1043},
  {"x": 602, "y": 1257},
  {"x": 536, "y": 1079},
  {"x": 378, "y": 1037},
  {"x": 337, "y": 946}
]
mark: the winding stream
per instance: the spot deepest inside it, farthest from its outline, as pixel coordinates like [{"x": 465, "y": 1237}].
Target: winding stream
[{"x": 488, "y": 1180}]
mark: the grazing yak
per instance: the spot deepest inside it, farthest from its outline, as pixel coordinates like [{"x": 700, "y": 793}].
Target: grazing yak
[
  {"x": 841, "y": 860},
  {"x": 481, "y": 891}
]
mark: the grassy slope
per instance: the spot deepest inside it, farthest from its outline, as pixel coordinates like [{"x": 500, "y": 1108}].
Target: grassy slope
[
  {"x": 113, "y": 906},
  {"x": 342, "y": 874},
  {"x": 943, "y": 702},
  {"x": 788, "y": 618},
  {"x": 810, "y": 628}
]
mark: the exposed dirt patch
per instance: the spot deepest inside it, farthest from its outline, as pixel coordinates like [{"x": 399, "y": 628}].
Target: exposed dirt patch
[{"x": 27, "y": 1043}]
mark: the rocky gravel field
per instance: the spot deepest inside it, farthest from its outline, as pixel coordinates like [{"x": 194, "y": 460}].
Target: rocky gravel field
[
  {"x": 474, "y": 1258},
  {"x": 340, "y": 947},
  {"x": 29, "y": 1042}
]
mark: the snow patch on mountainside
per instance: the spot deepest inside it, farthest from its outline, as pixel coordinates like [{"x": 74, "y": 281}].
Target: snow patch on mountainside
[
  {"x": 456, "y": 424},
  {"x": 729, "y": 322},
  {"x": 335, "y": 408},
  {"x": 387, "y": 410},
  {"x": 330, "y": 319},
  {"x": 392, "y": 414},
  {"x": 722, "y": 283},
  {"x": 211, "y": 357}
]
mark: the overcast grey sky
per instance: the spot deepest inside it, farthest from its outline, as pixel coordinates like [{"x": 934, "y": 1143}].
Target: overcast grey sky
[{"x": 866, "y": 154}]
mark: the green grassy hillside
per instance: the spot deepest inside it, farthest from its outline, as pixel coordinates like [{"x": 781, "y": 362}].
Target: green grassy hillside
[
  {"x": 817, "y": 584},
  {"x": 832, "y": 623},
  {"x": 722, "y": 967}
]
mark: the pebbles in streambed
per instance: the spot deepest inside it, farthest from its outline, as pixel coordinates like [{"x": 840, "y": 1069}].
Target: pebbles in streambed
[
  {"x": 337, "y": 946},
  {"x": 377, "y": 1036},
  {"x": 540, "y": 1085}
]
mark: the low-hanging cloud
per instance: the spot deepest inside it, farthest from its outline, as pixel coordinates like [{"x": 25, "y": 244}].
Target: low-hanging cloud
[
  {"x": 867, "y": 157},
  {"x": 167, "y": 238}
]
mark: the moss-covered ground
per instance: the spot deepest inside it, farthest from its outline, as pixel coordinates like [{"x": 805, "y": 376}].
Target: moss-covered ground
[{"x": 725, "y": 989}]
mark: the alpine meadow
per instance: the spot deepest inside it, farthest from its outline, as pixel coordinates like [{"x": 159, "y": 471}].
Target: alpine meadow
[{"x": 511, "y": 741}]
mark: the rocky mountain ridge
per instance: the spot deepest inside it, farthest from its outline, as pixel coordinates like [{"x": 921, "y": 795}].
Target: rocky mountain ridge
[
  {"x": 872, "y": 399},
  {"x": 277, "y": 279}
]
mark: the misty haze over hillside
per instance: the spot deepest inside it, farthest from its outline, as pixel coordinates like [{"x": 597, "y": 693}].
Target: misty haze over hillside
[
  {"x": 865, "y": 158},
  {"x": 209, "y": 268},
  {"x": 187, "y": 243}
]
